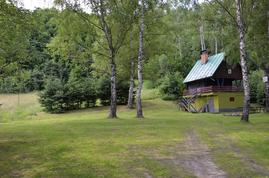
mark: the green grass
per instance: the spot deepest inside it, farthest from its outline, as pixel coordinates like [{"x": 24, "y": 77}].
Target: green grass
[
  {"x": 85, "y": 143},
  {"x": 18, "y": 107}
]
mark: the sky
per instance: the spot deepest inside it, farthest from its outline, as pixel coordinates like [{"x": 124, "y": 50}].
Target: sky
[{"x": 33, "y": 4}]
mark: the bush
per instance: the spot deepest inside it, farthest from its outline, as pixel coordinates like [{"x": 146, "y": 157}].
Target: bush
[
  {"x": 58, "y": 96},
  {"x": 36, "y": 81},
  {"x": 23, "y": 81},
  {"x": 52, "y": 97},
  {"x": 257, "y": 88},
  {"x": 17, "y": 82},
  {"x": 171, "y": 86},
  {"x": 122, "y": 92},
  {"x": 79, "y": 92},
  {"x": 104, "y": 92},
  {"x": 9, "y": 85},
  {"x": 148, "y": 84}
]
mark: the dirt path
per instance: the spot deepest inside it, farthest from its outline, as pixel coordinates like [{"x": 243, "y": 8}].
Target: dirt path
[
  {"x": 197, "y": 159},
  {"x": 191, "y": 159}
]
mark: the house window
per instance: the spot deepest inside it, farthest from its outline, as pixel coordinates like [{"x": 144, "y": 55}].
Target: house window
[
  {"x": 231, "y": 99},
  {"x": 229, "y": 71}
]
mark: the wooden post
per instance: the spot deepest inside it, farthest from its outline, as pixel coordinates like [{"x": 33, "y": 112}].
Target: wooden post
[{"x": 266, "y": 82}]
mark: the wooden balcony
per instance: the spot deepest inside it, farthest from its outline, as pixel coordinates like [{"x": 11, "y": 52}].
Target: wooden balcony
[{"x": 210, "y": 89}]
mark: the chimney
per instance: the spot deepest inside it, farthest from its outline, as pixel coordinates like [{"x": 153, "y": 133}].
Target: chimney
[{"x": 204, "y": 56}]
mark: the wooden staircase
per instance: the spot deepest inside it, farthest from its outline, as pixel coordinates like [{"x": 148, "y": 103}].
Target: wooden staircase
[{"x": 187, "y": 103}]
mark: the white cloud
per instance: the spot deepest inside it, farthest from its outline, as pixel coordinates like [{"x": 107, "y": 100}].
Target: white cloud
[{"x": 33, "y": 4}]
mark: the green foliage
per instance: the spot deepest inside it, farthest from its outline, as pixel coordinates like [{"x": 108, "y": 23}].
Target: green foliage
[
  {"x": 36, "y": 81},
  {"x": 20, "y": 81},
  {"x": 52, "y": 97},
  {"x": 59, "y": 97},
  {"x": 9, "y": 85},
  {"x": 257, "y": 87},
  {"x": 171, "y": 86},
  {"x": 148, "y": 84},
  {"x": 104, "y": 92},
  {"x": 150, "y": 94},
  {"x": 70, "y": 46},
  {"x": 74, "y": 40},
  {"x": 14, "y": 34},
  {"x": 79, "y": 91}
]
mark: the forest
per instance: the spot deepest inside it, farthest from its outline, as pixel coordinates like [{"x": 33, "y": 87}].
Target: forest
[
  {"x": 92, "y": 88},
  {"x": 76, "y": 58}
]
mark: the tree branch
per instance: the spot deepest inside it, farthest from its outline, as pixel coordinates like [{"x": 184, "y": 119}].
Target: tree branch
[{"x": 226, "y": 9}]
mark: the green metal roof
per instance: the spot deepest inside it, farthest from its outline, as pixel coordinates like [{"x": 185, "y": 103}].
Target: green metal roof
[{"x": 200, "y": 71}]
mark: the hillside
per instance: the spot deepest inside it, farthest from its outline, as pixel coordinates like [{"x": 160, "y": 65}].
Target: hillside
[{"x": 166, "y": 143}]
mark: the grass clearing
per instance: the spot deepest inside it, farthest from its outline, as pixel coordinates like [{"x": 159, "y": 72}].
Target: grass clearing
[
  {"x": 85, "y": 143},
  {"x": 18, "y": 107}
]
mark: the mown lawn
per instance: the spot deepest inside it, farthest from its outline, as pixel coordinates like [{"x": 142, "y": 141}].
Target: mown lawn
[{"x": 86, "y": 144}]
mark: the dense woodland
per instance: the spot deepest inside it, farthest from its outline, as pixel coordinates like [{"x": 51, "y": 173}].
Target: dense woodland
[{"x": 79, "y": 58}]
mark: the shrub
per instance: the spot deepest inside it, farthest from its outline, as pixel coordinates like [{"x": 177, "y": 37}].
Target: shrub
[
  {"x": 104, "y": 92},
  {"x": 148, "y": 84},
  {"x": 171, "y": 86},
  {"x": 22, "y": 81},
  {"x": 52, "y": 97},
  {"x": 58, "y": 96},
  {"x": 257, "y": 88},
  {"x": 122, "y": 92},
  {"x": 79, "y": 92},
  {"x": 36, "y": 81},
  {"x": 9, "y": 85}
]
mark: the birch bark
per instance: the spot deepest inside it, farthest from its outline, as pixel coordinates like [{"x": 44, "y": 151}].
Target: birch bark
[
  {"x": 108, "y": 36},
  {"x": 243, "y": 63},
  {"x": 130, "y": 104},
  {"x": 139, "y": 111}
]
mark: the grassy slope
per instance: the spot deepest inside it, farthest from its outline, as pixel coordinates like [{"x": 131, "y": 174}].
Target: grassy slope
[
  {"x": 87, "y": 144},
  {"x": 17, "y": 107}
]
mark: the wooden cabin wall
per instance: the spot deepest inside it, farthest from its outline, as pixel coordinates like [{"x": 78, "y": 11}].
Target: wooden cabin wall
[
  {"x": 196, "y": 84},
  {"x": 222, "y": 72},
  {"x": 210, "y": 82}
]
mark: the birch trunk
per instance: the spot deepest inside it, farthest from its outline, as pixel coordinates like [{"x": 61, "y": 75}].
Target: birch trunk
[
  {"x": 139, "y": 111},
  {"x": 216, "y": 45},
  {"x": 108, "y": 36},
  {"x": 131, "y": 87},
  {"x": 113, "y": 97},
  {"x": 241, "y": 30},
  {"x": 202, "y": 38}
]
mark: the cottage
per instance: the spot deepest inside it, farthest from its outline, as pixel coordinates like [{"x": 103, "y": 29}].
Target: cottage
[{"x": 213, "y": 85}]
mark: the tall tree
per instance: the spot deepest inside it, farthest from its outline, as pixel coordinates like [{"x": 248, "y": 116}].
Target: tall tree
[
  {"x": 114, "y": 21},
  {"x": 139, "y": 111},
  {"x": 14, "y": 34},
  {"x": 258, "y": 38},
  {"x": 100, "y": 10},
  {"x": 243, "y": 62},
  {"x": 202, "y": 37},
  {"x": 132, "y": 65}
]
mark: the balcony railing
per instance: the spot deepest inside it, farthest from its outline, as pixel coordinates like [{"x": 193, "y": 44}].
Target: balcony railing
[{"x": 209, "y": 89}]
